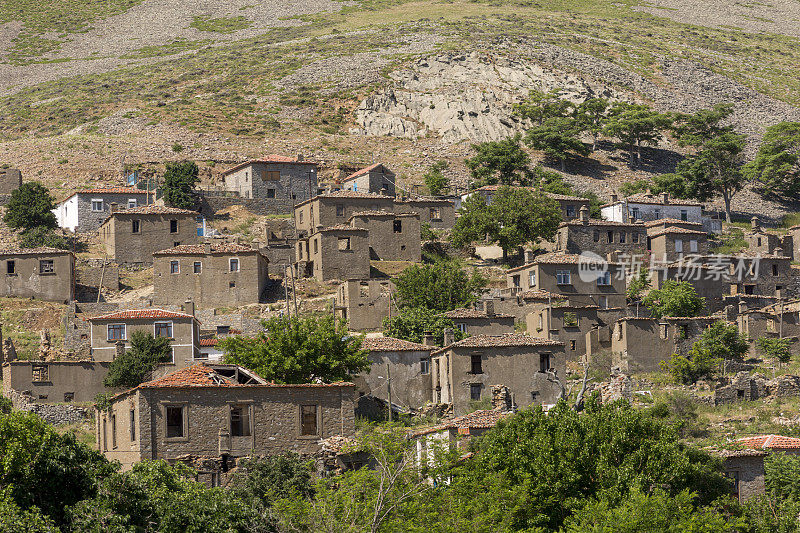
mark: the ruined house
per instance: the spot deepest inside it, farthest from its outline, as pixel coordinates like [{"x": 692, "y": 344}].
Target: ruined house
[
  {"x": 570, "y": 324},
  {"x": 455, "y": 434},
  {"x": 745, "y": 469},
  {"x": 132, "y": 236},
  {"x": 274, "y": 178},
  {"x": 85, "y": 210},
  {"x": 337, "y": 252},
  {"x": 438, "y": 213},
  {"x": 481, "y": 320},
  {"x": 760, "y": 241},
  {"x": 335, "y": 209},
  {"x": 770, "y": 443},
  {"x": 601, "y": 237},
  {"x": 40, "y": 273},
  {"x": 401, "y": 364},
  {"x": 392, "y": 237},
  {"x": 647, "y": 206},
  {"x": 672, "y": 243},
  {"x": 464, "y": 371},
  {"x": 364, "y": 303},
  {"x": 55, "y": 381},
  {"x": 222, "y": 412},
  {"x": 212, "y": 275},
  {"x": 375, "y": 178},
  {"x": 781, "y": 319}
]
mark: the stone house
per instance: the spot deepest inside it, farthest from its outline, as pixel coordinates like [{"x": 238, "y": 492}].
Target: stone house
[
  {"x": 364, "y": 303},
  {"x": 570, "y": 206},
  {"x": 56, "y": 381},
  {"x": 764, "y": 242},
  {"x": 648, "y": 206},
  {"x": 794, "y": 234},
  {"x": 745, "y": 469},
  {"x": 482, "y": 320},
  {"x": 132, "y": 236},
  {"x": 779, "y": 320},
  {"x": 455, "y": 434},
  {"x": 337, "y": 252},
  {"x": 224, "y": 412},
  {"x": 580, "y": 279},
  {"x": 664, "y": 223},
  {"x": 409, "y": 367},
  {"x": 39, "y": 273},
  {"x": 672, "y": 243},
  {"x": 464, "y": 371},
  {"x": 112, "y": 332},
  {"x": 212, "y": 275},
  {"x": 569, "y": 324},
  {"x": 282, "y": 179},
  {"x": 375, "y": 178},
  {"x": 10, "y": 180},
  {"x": 438, "y": 213},
  {"x": 392, "y": 237},
  {"x": 770, "y": 443},
  {"x": 602, "y": 237},
  {"x": 86, "y": 209},
  {"x": 336, "y": 208}
]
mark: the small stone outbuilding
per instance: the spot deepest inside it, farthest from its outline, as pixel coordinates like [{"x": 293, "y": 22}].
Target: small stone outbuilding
[{"x": 40, "y": 273}]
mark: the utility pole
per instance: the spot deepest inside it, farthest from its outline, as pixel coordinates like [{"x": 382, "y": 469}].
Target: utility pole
[
  {"x": 389, "y": 388},
  {"x": 294, "y": 290},
  {"x": 780, "y": 327},
  {"x": 286, "y": 288}
]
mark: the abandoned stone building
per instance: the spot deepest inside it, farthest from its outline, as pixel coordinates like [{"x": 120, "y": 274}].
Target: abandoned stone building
[
  {"x": 570, "y": 206},
  {"x": 760, "y": 241},
  {"x": 364, "y": 303},
  {"x": 401, "y": 364},
  {"x": 10, "y": 180},
  {"x": 672, "y": 243},
  {"x": 111, "y": 333},
  {"x": 664, "y": 223},
  {"x": 337, "y": 252},
  {"x": 438, "y": 213},
  {"x": 647, "y": 206},
  {"x": 39, "y": 273},
  {"x": 745, "y": 469},
  {"x": 777, "y": 320},
  {"x": 284, "y": 180},
  {"x": 455, "y": 434},
  {"x": 223, "y": 412},
  {"x": 482, "y": 320},
  {"x": 392, "y": 237},
  {"x": 212, "y": 275},
  {"x": 336, "y": 208},
  {"x": 465, "y": 371},
  {"x": 771, "y": 443},
  {"x": 55, "y": 381},
  {"x": 569, "y": 324},
  {"x": 580, "y": 279},
  {"x": 601, "y": 236},
  {"x": 375, "y": 178},
  {"x": 132, "y": 236},
  {"x": 85, "y": 210}
]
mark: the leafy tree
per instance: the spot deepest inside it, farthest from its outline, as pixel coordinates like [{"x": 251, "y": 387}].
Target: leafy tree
[
  {"x": 540, "y": 106},
  {"x": 299, "y": 350},
  {"x": 41, "y": 469},
  {"x": 777, "y": 164},
  {"x": 775, "y": 348},
  {"x": 549, "y": 181},
  {"x": 515, "y": 217},
  {"x": 700, "y": 127},
  {"x": 435, "y": 179},
  {"x": 716, "y": 170},
  {"x": 180, "y": 179},
  {"x": 635, "y": 125},
  {"x": 634, "y": 187},
  {"x": 591, "y": 117},
  {"x": 674, "y": 298},
  {"x": 594, "y": 203},
  {"x": 412, "y": 323},
  {"x": 500, "y": 162},
  {"x": 30, "y": 207},
  {"x": 261, "y": 480},
  {"x": 15, "y": 520},
  {"x": 135, "y": 365},
  {"x": 41, "y": 236},
  {"x": 778, "y": 509},
  {"x": 722, "y": 341},
  {"x": 540, "y": 469},
  {"x": 558, "y": 138},
  {"x": 638, "y": 284},
  {"x": 426, "y": 233},
  {"x": 673, "y": 184},
  {"x": 442, "y": 286},
  {"x": 5, "y": 405}
]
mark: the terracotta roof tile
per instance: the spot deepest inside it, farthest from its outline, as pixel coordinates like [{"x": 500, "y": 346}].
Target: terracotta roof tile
[
  {"x": 662, "y": 221},
  {"x": 539, "y": 294},
  {"x": 144, "y": 314},
  {"x": 500, "y": 341},
  {"x": 598, "y": 222},
  {"x": 112, "y": 190},
  {"x": 672, "y": 230},
  {"x": 390, "y": 344},
  {"x": 769, "y": 442},
  {"x": 208, "y": 342},
  {"x": 653, "y": 199},
  {"x": 216, "y": 248},
  {"x": 482, "y": 419},
  {"x": 473, "y": 313}
]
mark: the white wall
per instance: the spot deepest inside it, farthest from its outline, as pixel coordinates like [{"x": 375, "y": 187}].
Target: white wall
[{"x": 67, "y": 213}]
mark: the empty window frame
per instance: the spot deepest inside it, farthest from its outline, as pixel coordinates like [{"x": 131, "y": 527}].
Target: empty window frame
[
  {"x": 233, "y": 265},
  {"x": 610, "y": 236},
  {"x": 424, "y": 366},
  {"x": 174, "y": 418},
  {"x": 271, "y": 175},
  {"x": 657, "y": 213},
  {"x": 684, "y": 214},
  {"x": 573, "y": 344},
  {"x": 316, "y": 246},
  {"x": 476, "y": 364},
  {"x": 678, "y": 245},
  {"x": 622, "y": 236},
  {"x": 163, "y": 329},
  {"x": 635, "y": 237},
  {"x": 475, "y": 391},
  {"x": 570, "y": 319},
  {"x": 339, "y": 210},
  {"x": 596, "y": 236},
  {"x": 570, "y": 211},
  {"x": 462, "y": 327},
  {"x": 136, "y": 226},
  {"x": 635, "y": 213},
  {"x": 693, "y": 245},
  {"x": 436, "y": 213},
  {"x": 46, "y": 266},
  {"x": 97, "y": 205},
  {"x": 69, "y": 397},
  {"x": 11, "y": 268},
  {"x": 602, "y": 302},
  {"x": 197, "y": 267},
  {"x": 270, "y": 193},
  {"x": 544, "y": 362},
  {"x": 116, "y": 332},
  {"x": 344, "y": 244},
  {"x": 40, "y": 373},
  {"x": 132, "y": 424},
  {"x": 113, "y": 431},
  {"x": 174, "y": 267},
  {"x": 774, "y": 269},
  {"x": 132, "y": 203},
  {"x": 308, "y": 420},
  {"x": 398, "y": 226},
  {"x": 532, "y": 278},
  {"x": 563, "y": 277},
  {"x": 173, "y": 226},
  {"x": 240, "y": 421},
  {"x": 604, "y": 278}
]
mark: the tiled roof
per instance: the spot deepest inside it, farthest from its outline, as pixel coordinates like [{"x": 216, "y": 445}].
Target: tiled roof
[
  {"x": 653, "y": 199},
  {"x": 269, "y": 159},
  {"x": 769, "y": 442},
  {"x": 672, "y": 230},
  {"x": 662, "y": 221},
  {"x": 361, "y": 172},
  {"x": 112, "y": 190},
  {"x": 390, "y": 344},
  {"x": 500, "y": 341},
  {"x": 373, "y": 213},
  {"x": 204, "y": 375},
  {"x": 144, "y": 314},
  {"x": 426, "y": 200},
  {"x": 342, "y": 227},
  {"x": 44, "y": 250},
  {"x": 153, "y": 209},
  {"x": 208, "y": 342},
  {"x": 216, "y": 248},
  {"x": 728, "y": 453},
  {"x": 482, "y": 419},
  {"x": 347, "y": 194},
  {"x": 599, "y": 222},
  {"x": 539, "y": 294},
  {"x": 558, "y": 259},
  {"x": 473, "y": 313}
]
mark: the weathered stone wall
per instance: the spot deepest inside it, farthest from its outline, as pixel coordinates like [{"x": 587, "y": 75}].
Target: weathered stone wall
[
  {"x": 602, "y": 239},
  {"x": 297, "y": 182},
  {"x": 89, "y": 220},
  {"x": 439, "y": 214},
  {"x": 391, "y": 237},
  {"x": 91, "y": 272},
  {"x": 320, "y": 256},
  {"x": 184, "y": 339},
  {"x": 209, "y": 204},
  {"x": 364, "y": 303},
  {"x": 410, "y": 387},
  {"x": 66, "y": 381},
  {"x": 127, "y": 247},
  {"x": 750, "y": 473},
  {"x": 28, "y": 280},
  {"x": 327, "y": 211},
  {"x": 54, "y": 415}
]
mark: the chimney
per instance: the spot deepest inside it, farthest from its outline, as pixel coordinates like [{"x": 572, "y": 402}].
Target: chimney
[
  {"x": 427, "y": 339},
  {"x": 488, "y": 307},
  {"x": 665, "y": 198},
  {"x": 754, "y": 223},
  {"x": 449, "y": 336},
  {"x": 529, "y": 255},
  {"x": 255, "y": 245},
  {"x": 584, "y": 215},
  {"x": 742, "y": 306},
  {"x": 113, "y": 207},
  {"x": 119, "y": 349},
  {"x": 207, "y": 247},
  {"x": 188, "y": 307},
  {"x": 614, "y": 197}
]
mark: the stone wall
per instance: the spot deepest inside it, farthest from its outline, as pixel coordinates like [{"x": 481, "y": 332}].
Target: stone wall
[
  {"x": 53, "y": 414},
  {"x": 209, "y": 204}
]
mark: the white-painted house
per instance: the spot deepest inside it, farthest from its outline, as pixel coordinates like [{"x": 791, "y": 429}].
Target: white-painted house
[
  {"x": 647, "y": 206},
  {"x": 85, "y": 210}
]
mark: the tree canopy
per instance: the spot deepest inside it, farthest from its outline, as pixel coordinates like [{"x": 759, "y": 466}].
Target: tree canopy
[
  {"x": 435, "y": 179},
  {"x": 777, "y": 163},
  {"x": 540, "y": 106},
  {"x": 697, "y": 128},
  {"x": 500, "y": 162},
  {"x": 441, "y": 286},
  {"x": 635, "y": 125},
  {"x": 135, "y": 365},
  {"x": 299, "y": 350},
  {"x": 591, "y": 116},
  {"x": 413, "y": 323},
  {"x": 180, "y": 179},
  {"x": 674, "y": 298},
  {"x": 558, "y": 138},
  {"x": 30, "y": 206}
]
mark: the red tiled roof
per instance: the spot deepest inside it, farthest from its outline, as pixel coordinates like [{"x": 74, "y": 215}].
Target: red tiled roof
[
  {"x": 672, "y": 230},
  {"x": 482, "y": 419},
  {"x": 272, "y": 158},
  {"x": 208, "y": 342},
  {"x": 361, "y": 172},
  {"x": 203, "y": 375},
  {"x": 44, "y": 250},
  {"x": 769, "y": 442},
  {"x": 506, "y": 340},
  {"x": 390, "y": 344},
  {"x": 216, "y": 248},
  {"x": 661, "y": 221},
  {"x": 473, "y": 313},
  {"x": 145, "y": 314}
]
